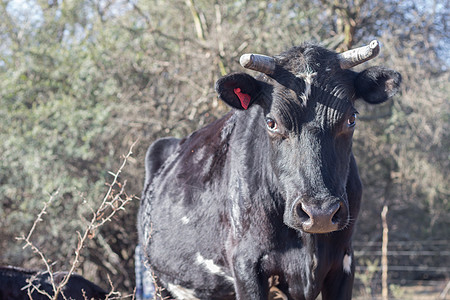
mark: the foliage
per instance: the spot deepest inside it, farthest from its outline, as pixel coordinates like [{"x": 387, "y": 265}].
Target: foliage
[{"x": 80, "y": 81}]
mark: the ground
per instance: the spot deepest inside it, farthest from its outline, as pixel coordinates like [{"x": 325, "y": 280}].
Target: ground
[{"x": 439, "y": 290}]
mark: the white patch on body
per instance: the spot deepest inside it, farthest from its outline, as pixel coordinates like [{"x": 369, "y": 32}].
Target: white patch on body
[
  {"x": 185, "y": 220},
  {"x": 181, "y": 293},
  {"x": 347, "y": 263},
  {"x": 235, "y": 212},
  {"x": 239, "y": 189},
  {"x": 209, "y": 265}
]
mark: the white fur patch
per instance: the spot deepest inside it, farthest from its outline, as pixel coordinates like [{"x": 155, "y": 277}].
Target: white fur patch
[
  {"x": 181, "y": 293},
  {"x": 308, "y": 78},
  {"x": 347, "y": 263},
  {"x": 209, "y": 265},
  {"x": 185, "y": 220}
]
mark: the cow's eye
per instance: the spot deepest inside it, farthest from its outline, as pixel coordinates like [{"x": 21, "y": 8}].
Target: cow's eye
[
  {"x": 351, "y": 122},
  {"x": 271, "y": 124}
]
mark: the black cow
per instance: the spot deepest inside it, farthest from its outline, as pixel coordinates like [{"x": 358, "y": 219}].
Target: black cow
[
  {"x": 14, "y": 285},
  {"x": 269, "y": 194}
]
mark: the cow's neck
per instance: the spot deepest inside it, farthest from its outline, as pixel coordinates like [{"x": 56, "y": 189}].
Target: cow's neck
[
  {"x": 250, "y": 181},
  {"x": 251, "y": 153}
]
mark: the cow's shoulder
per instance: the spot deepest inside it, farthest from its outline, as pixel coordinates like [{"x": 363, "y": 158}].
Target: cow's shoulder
[
  {"x": 209, "y": 137},
  {"x": 201, "y": 156}
]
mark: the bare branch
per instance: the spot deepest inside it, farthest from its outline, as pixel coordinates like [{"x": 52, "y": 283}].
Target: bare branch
[
  {"x": 115, "y": 200},
  {"x": 97, "y": 219},
  {"x": 197, "y": 22},
  {"x": 35, "y": 249}
]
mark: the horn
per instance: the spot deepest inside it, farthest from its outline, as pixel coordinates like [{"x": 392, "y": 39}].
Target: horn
[
  {"x": 261, "y": 63},
  {"x": 354, "y": 57}
]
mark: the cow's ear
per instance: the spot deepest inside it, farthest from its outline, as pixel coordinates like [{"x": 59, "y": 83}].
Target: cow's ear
[
  {"x": 238, "y": 90},
  {"x": 377, "y": 84}
]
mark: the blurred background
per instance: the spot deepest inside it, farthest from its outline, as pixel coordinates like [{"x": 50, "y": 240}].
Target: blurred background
[{"x": 81, "y": 80}]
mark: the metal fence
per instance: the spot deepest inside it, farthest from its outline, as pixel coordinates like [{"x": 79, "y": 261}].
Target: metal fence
[{"x": 410, "y": 264}]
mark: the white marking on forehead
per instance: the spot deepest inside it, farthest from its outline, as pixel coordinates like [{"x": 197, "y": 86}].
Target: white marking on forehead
[
  {"x": 181, "y": 293},
  {"x": 347, "y": 263},
  {"x": 212, "y": 267},
  {"x": 308, "y": 78},
  {"x": 185, "y": 220}
]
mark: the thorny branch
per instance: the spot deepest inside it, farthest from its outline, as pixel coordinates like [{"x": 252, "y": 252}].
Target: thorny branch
[
  {"x": 35, "y": 249},
  {"x": 116, "y": 200}
]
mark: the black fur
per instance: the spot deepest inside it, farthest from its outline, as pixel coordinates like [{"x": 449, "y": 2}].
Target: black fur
[{"x": 13, "y": 280}]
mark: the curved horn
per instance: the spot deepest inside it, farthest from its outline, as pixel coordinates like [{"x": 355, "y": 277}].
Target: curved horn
[
  {"x": 351, "y": 58},
  {"x": 261, "y": 63}
]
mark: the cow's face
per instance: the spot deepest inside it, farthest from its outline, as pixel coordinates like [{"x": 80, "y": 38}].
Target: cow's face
[{"x": 309, "y": 117}]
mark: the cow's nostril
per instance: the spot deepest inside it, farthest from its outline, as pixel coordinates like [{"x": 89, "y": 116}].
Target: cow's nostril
[
  {"x": 335, "y": 219},
  {"x": 302, "y": 214}
]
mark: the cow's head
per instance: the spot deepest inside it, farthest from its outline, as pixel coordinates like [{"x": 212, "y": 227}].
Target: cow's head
[{"x": 307, "y": 96}]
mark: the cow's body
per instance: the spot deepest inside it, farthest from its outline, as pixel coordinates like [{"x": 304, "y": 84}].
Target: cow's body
[
  {"x": 17, "y": 284},
  {"x": 242, "y": 204}
]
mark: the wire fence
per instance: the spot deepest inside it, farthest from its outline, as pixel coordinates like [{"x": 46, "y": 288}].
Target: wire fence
[{"x": 424, "y": 263}]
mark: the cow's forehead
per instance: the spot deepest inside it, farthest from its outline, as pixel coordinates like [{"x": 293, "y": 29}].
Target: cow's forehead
[
  {"x": 319, "y": 106},
  {"x": 306, "y": 58},
  {"x": 309, "y": 80},
  {"x": 313, "y": 64}
]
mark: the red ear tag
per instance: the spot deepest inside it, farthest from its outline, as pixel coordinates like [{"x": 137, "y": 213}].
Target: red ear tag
[{"x": 244, "y": 98}]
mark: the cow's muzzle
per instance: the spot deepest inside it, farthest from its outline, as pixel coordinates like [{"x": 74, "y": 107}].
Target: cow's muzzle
[{"x": 313, "y": 219}]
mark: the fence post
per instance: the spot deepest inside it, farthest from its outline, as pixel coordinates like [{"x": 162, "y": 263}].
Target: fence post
[{"x": 384, "y": 259}]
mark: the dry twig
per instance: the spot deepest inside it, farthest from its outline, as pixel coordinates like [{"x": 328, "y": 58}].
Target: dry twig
[{"x": 113, "y": 200}]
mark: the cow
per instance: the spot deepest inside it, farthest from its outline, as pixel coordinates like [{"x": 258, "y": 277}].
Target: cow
[
  {"x": 268, "y": 195},
  {"x": 21, "y": 284}
]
